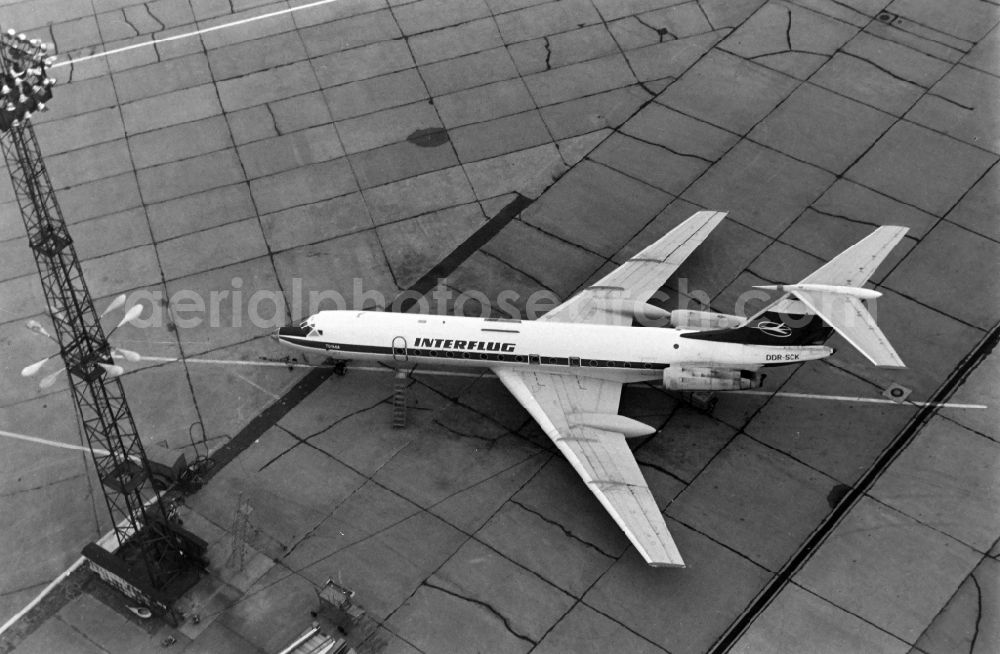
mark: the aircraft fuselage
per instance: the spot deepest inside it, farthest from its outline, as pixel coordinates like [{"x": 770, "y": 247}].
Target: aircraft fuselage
[{"x": 624, "y": 354}]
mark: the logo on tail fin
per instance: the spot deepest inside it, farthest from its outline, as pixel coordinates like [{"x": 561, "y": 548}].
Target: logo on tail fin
[{"x": 776, "y": 329}]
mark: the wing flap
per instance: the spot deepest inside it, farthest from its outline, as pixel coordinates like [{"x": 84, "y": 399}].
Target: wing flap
[{"x": 601, "y": 458}]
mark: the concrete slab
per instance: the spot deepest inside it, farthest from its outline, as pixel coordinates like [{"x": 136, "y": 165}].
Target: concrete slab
[
  {"x": 587, "y": 631},
  {"x": 413, "y": 247},
  {"x": 361, "y": 63},
  {"x": 299, "y": 112},
  {"x": 117, "y": 632},
  {"x": 528, "y": 606},
  {"x": 385, "y": 573},
  {"x": 556, "y": 50},
  {"x": 350, "y": 32},
  {"x": 757, "y": 501},
  {"x": 897, "y": 57},
  {"x": 763, "y": 189},
  {"x": 466, "y": 72},
  {"x": 172, "y": 108},
  {"x": 976, "y": 210},
  {"x": 144, "y": 387},
  {"x": 979, "y": 389},
  {"x": 375, "y": 94},
  {"x": 905, "y": 164},
  {"x": 417, "y": 195},
  {"x": 887, "y": 569},
  {"x": 205, "y": 322},
  {"x": 798, "y": 616},
  {"x": 88, "y": 164},
  {"x": 387, "y": 126},
  {"x": 524, "y": 171},
  {"x": 80, "y": 131},
  {"x": 789, "y": 38},
  {"x": 544, "y": 19},
  {"x": 947, "y": 479},
  {"x": 680, "y": 134},
  {"x": 281, "y": 594},
  {"x": 867, "y": 83},
  {"x": 984, "y": 55},
  {"x": 305, "y": 185},
  {"x": 706, "y": 595},
  {"x": 212, "y": 248},
  {"x": 267, "y": 85},
  {"x": 311, "y": 223},
  {"x": 594, "y": 199},
  {"x": 728, "y": 91},
  {"x": 161, "y": 78},
  {"x": 542, "y": 546},
  {"x": 180, "y": 142},
  {"x": 823, "y": 128},
  {"x": 500, "y": 136},
  {"x": 484, "y": 103},
  {"x": 288, "y": 151},
  {"x": 960, "y": 626},
  {"x": 652, "y": 164},
  {"x": 427, "y": 15},
  {"x": 685, "y": 444},
  {"x": 192, "y": 213},
  {"x": 450, "y": 42},
  {"x": 840, "y": 439},
  {"x": 962, "y": 105},
  {"x": 56, "y": 635},
  {"x": 181, "y": 178},
  {"x": 966, "y": 20},
  {"x": 122, "y": 271},
  {"x": 355, "y": 276},
  {"x": 670, "y": 59},
  {"x": 431, "y": 619},
  {"x": 578, "y": 80},
  {"x": 398, "y": 161},
  {"x": 593, "y": 112},
  {"x": 863, "y": 205},
  {"x": 931, "y": 273},
  {"x": 556, "y": 265}
]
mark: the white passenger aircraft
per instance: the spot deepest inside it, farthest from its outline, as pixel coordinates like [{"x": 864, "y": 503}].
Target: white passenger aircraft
[{"x": 567, "y": 368}]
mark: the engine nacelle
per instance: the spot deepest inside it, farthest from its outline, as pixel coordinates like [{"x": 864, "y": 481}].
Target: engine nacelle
[
  {"x": 682, "y": 378},
  {"x": 702, "y": 320}
]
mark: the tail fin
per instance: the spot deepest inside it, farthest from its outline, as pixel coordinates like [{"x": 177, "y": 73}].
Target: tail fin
[{"x": 829, "y": 298}]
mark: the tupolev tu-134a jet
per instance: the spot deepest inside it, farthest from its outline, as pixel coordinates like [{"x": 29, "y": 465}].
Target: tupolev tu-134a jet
[{"x": 567, "y": 368}]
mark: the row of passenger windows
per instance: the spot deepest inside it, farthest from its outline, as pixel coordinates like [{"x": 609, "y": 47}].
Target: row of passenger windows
[{"x": 520, "y": 358}]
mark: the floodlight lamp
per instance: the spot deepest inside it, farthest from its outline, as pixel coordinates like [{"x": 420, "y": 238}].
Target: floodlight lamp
[
  {"x": 22, "y": 37},
  {"x": 4, "y": 90},
  {"x": 41, "y": 106},
  {"x": 11, "y": 32}
]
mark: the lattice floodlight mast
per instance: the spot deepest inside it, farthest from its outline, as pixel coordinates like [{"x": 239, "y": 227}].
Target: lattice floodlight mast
[{"x": 153, "y": 552}]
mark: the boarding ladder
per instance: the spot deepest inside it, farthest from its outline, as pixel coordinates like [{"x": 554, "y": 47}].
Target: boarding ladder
[{"x": 399, "y": 400}]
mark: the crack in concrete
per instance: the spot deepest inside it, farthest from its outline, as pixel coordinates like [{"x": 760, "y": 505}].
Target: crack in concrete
[
  {"x": 487, "y": 606},
  {"x": 883, "y": 69},
  {"x": 129, "y": 23},
  {"x": 660, "y": 31},
  {"x": 548, "y": 53},
  {"x": 154, "y": 17},
  {"x": 660, "y": 468},
  {"x": 564, "y": 529},
  {"x": 788, "y": 29},
  {"x": 305, "y": 441},
  {"x": 950, "y": 101},
  {"x": 490, "y": 442},
  {"x": 41, "y": 486},
  {"x": 979, "y": 612},
  {"x": 847, "y": 218}
]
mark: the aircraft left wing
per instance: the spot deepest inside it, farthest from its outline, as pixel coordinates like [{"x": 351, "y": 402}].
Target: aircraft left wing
[
  {"x": 560, "y": 404},
  {"x": 610, "y": 301}
]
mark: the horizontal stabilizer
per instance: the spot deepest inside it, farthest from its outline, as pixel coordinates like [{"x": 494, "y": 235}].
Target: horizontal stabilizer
[{"x": 845, "y": 312}]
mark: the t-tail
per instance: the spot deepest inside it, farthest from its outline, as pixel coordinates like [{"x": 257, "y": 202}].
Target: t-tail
[{"x": 830, "y": 299}]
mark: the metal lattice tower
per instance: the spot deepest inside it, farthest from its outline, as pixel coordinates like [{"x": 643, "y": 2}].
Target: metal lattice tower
[{"x": 152, "y": 552}]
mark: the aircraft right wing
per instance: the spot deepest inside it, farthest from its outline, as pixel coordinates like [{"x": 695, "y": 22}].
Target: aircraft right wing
[
  {"x": 607, "y": 302},
  {"x": 561, "y": 405}
]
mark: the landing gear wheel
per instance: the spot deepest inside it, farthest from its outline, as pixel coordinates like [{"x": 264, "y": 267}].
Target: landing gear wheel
[{"x": 340, "y": 368}]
